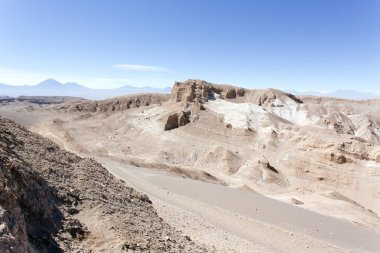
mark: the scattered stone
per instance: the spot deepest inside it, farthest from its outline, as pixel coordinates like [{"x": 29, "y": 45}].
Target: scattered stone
[
  {"x": 145, "y": 198},
  {"x": 296, "y": 201},
  {"x": 339, "y": 159}
]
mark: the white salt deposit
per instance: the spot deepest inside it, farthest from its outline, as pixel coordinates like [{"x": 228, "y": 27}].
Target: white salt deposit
[{"x": 239, "y": 115}]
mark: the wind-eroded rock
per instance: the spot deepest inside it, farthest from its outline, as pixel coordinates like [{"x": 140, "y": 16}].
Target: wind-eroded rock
[{"x": 199, "y": 91}]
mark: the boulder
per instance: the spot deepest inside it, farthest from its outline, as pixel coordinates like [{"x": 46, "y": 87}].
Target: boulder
[
  {"x": 176, "y": 120},
  {"x": 339, "y": 159},
  {"x": 231, "y": 93},
  {"x": 296, "y": 201}
]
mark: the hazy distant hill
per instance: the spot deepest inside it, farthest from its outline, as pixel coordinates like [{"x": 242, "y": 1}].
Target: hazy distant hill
[
  {"x": 349, "y": 94},
  {"x": 51, "y": 87}
]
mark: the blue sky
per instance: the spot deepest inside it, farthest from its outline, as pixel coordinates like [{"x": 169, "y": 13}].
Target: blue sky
[{"x": 319, "y": 45}]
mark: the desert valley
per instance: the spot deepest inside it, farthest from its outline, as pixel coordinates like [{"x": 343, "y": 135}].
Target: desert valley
[
  {"x": 190, "y": 126},
  {"x": 207, "y": 168}
]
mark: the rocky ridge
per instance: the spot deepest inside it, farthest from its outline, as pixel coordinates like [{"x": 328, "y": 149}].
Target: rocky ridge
[
  {"x": 114, "y": 104},
  {"x": 193, "y": 94},
  {"x": 199, "y": 91}
]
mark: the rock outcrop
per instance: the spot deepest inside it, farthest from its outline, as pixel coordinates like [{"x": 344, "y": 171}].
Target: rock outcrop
[
  {"x": 199, "y": 91},
  {"x": 191, "y": 91}
]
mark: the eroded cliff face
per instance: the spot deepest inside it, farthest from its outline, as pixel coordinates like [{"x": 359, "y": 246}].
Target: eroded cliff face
[
  {"x": 192, "y": 95},
  {"x": 199, "y": 91},
  {"x": 191, "y": 91},
  {"x": 54, "y": 201}
]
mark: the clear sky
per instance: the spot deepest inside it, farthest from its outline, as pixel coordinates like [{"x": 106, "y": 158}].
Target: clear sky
[{"x": 319, "y": 45}]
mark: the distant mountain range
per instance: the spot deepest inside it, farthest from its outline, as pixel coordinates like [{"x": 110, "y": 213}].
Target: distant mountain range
[
  {"x": 348, "y": 94},
  {"x": 51, "y": 87}
]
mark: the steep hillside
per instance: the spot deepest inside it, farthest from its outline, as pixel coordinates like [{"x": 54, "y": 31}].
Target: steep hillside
[{"x": 54, "y": 201}]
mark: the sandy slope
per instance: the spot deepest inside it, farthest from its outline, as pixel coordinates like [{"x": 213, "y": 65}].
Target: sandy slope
[{"x": 246, "y": 215}]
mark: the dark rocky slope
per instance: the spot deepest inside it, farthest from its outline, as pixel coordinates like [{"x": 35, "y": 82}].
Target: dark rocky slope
[{"x": 44, "y": 189}]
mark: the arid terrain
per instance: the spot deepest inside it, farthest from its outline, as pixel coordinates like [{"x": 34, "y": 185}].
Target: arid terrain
[
  {"x": 55, "y": 201},
  {"x": 235, "y": 170}
]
